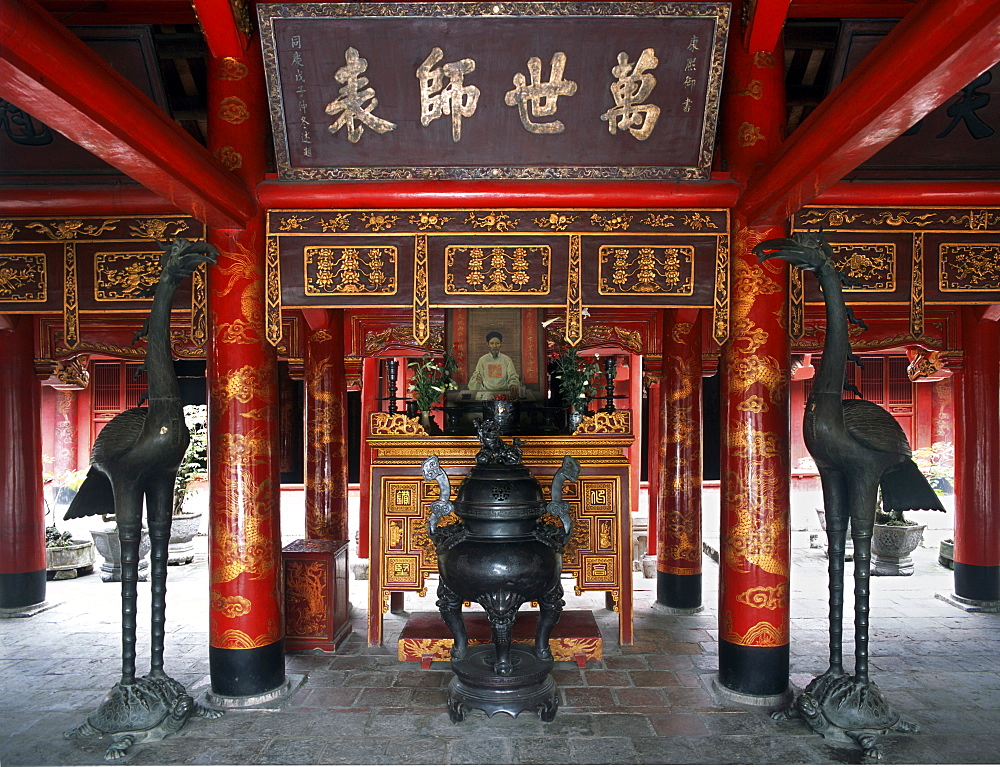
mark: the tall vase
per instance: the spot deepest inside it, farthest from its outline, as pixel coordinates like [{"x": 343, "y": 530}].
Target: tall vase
[{"x": 429, "y": 424}]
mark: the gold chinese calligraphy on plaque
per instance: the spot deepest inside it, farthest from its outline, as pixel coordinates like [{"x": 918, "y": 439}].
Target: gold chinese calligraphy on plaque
[
  {"x": 338, "y": 270},
  {"x": 646, "y": 270}
]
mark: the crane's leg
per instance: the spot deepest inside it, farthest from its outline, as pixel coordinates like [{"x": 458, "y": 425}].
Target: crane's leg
[
  {"x": 836, "y": 533},
  {"x": 159, "y": 507},
  {"x": 128, "y": 516},
  {"x": 863, "y": 499}
]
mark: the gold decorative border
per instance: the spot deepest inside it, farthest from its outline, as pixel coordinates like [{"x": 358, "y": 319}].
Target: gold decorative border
[
  {"x": 71, "y": 296},
  {"x": 796, "y": 304},
  {"x": 574, "y": 295},
  {"x": 720, "y": 303},
  {"x": 421, "y": 291},
  {"x": 272, "y": 293},
  {"x": 917, "y": 287},
  {"x": 199, "y": 306}
]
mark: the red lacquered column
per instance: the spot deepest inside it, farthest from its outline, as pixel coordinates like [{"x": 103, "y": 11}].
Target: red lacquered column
[
  {"x": 246, "y": 635},
  {"x": 678, "y": 550},
  {"x": 755, "y": 363},
  {"x": 326, "y": 430},
  {"x": 977, "y": 462},
  {"x": 22, "y": 515}
]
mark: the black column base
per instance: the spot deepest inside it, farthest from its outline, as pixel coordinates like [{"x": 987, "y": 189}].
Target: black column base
[
  {"x": 241, "y": 673},
  {"x": 753, "y": 670},
  {"x": 21, "y": 589},
  {"x": 678, "y": 591},
  {"x": 978, "y": 582}
]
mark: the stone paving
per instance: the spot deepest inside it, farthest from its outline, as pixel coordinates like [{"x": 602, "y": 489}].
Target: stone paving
[{"x": 652, "y": 703}]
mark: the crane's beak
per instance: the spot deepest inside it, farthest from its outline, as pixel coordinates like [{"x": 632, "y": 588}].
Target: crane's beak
[{"x": 789, "y": 251}]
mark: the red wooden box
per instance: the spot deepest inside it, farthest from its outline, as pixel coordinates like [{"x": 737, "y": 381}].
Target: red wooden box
[{"x": 316, "y": 611}]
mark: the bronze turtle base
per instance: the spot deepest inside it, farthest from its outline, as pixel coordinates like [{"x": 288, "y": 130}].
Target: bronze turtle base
[{"x": 840, "y": 708}]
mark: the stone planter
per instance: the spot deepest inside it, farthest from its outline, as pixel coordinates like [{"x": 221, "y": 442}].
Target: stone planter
[
  {"x": 183, "y": 529},
  {"x": 66, "y": 562},
  {"x": 109, "y": 547},
  {"x": 892, "y": 546},
  {"x": 946, "y": 554}
]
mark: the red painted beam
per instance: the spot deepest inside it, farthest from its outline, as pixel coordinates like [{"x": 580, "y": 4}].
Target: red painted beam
[
  {"x": 114, "y": 12},
  {"x": 979, "y": 194},
  {"x": 507, "y": 194},
  {"x": 765, "y": 24},
  {"x": 81, "y": 201},
  {"x": 50, "y": 73},
  {"x": 851, "y": 9},
  {"x": 222, "y": 30},
  {"x": 927, "y": 58}
]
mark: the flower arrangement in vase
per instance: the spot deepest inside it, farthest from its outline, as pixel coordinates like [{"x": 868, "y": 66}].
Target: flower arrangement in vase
[
  {"x": 577, "y": 376},
  {"x": 431, "y": 379}
]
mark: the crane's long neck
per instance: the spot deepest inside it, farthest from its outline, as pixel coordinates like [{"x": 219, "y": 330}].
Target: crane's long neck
[
  {"x": 164, "y": 393},
  {"x": 836, "y": 345}
]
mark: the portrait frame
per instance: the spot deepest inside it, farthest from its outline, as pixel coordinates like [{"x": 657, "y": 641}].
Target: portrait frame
[{"x": 522, "y": 342}]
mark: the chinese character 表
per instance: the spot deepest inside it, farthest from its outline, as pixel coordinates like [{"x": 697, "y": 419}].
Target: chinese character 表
[
  {"x": 350, "y": 104},
  {"x": 457, "y": 99},
  {"x": 540, "y": 99},
  {"x": 634, "y": 84}
]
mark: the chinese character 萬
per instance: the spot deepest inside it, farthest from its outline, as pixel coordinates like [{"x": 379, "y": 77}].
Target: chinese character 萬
[
  {"x": 457, "y": 99},
  {"x": 350, "y": 104},
  {"x": 540, "y": 99},
  {"x": 633, "y": 86}
]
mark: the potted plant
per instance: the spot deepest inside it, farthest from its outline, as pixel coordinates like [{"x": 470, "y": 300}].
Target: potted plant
[
  {"x": 937, "y": 463},
  {"x": 895, "y": 538},
  {"x": 66, "y": 557},
  {"x": 431, "y": 379},
  {"x": 192, "y": 472},
  {"x": 576, "y": 376}
]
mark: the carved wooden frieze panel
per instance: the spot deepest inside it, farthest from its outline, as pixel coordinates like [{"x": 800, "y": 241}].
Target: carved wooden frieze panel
[
  {"x": 89, "y": 264},
  {"x": 23, "y": 278},
  {"x": 486, "y": 257},
  {"x": 938, "y": 255}
]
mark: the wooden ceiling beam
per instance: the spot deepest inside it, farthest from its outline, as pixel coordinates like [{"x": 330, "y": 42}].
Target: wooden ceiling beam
[
  {"x": 927, "y": 58},
  {"x": 49, "y": 73},
  {"x": 762, "y": 28},
  {"x": 225, "y": 34}
]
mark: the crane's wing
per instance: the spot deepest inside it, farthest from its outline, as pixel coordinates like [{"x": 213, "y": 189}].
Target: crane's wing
[
  {"x": 119, "y": 435},
  {"x": 873, "y": 427},
  {"x": 95, "y": 496},
  {"x": 905, "y": 488}
]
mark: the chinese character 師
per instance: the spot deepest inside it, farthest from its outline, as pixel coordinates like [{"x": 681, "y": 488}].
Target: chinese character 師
[
  {"x": 457, "y": 99},
  {"x": 540, "y": 99},
  {"x": 350, "y": 104},
  {"x": 634, "y": 84}
]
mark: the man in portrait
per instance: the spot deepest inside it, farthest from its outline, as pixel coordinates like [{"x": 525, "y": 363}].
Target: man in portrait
[{"x": 495, "y": 373}]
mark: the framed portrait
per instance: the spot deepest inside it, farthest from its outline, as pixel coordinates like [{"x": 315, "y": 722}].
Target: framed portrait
[{"x": 484, "y": 340}]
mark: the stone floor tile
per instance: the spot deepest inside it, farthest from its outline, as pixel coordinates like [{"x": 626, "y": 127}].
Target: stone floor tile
[
  {"x": 600, "y": 750},
  {"x": 645, "y": 697}
]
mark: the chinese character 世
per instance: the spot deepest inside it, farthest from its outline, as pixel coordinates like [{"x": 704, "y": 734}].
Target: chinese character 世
[
  {"x": 540, "y": 99},
  {"x": 634, "y": 84},
  {"x": 457, "y": 99},
  {"x": 350, "y": 104}
]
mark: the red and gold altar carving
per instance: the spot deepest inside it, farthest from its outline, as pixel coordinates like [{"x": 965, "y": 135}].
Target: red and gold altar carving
[{"x": 598, "y": 555}]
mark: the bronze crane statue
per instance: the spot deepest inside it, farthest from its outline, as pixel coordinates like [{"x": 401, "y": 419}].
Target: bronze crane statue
[
  {"x": 858, "y": 448},
  {"x": 135, "y": 457}
]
